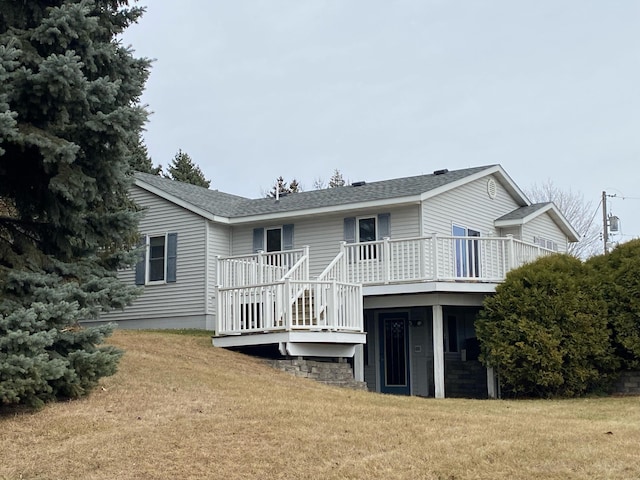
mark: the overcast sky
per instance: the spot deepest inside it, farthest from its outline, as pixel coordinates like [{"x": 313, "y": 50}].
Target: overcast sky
[{"x": 382, "y": 89}]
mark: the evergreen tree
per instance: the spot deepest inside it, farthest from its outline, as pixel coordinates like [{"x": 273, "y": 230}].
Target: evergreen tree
[
  {"x": 183, "y": 169},
  {"x": 140, "y": 160},
  {"x": 283, "y": 188},
  {"x": 336, "y": 179},
  {"x": 294, "y": 186},
  {"x": 69, "y": 109}
]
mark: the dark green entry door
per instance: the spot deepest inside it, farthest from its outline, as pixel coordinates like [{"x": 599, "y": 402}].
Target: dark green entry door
[{"x": 394, "y": 354}]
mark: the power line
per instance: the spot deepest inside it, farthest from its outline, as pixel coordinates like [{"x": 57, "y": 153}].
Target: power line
[
  {"x": 622, "y": 197},
  {"x": 593, "y": 217}
]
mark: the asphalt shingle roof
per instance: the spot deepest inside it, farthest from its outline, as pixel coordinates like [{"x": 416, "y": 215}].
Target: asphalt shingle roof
[
  {"x": 523, "y": 212},
  {"x": 233, "y": 206}
]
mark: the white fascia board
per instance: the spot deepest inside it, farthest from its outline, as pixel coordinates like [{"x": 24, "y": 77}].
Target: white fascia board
[
  {"x": 523, "y": 220},
  {"x": 348, "y": 207},
  {"x": 181, "y": 203},
  {"x": 564, "y": 224},
  {"x": 503, "y": 177},
  {"x": 429, "y": 287},
  {"x": 555, "y": 215}
]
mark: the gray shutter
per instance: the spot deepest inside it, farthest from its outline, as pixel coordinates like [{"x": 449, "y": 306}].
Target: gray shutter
[
  {"x": 287, "y": 237},
  {"x": 172, "y": 256},
  {"x": 141, "y": 274},
  {"x": 384, "y": 225},
  {"x": 258, "y": 239},
  {"x": 350, "y": 230}
]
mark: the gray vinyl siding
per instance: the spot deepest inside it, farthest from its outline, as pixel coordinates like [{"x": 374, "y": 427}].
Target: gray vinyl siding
[
  {"x": 515, "y": 231},
  {"x": 323, "y": 234},
  {"x": 467, "y": 206},
  {"x": 218, "y": 244},
  {"x": 186, "y": 297},
  {"x": 544, "y": 226}
]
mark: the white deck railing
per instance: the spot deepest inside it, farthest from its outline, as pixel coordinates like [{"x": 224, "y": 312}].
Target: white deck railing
[
  {"x": 261, "y": 267},
  {"x": 268, "y": 292},
  {"x": 431, "y": 258},
  {"x": 289, "y": 305}
]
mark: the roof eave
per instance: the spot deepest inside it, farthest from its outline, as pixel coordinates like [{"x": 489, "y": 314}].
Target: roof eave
[
  {"x": 554, "y": 213},
  {"x": 504, "y": 178},
  {"x": 349, "y": 207},
  {"x": 181, "y": 203}
]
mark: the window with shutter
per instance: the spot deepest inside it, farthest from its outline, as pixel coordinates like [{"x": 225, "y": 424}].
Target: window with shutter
[
  {"x": 159, "y": 260},
  {"x": 367, "y": 229},
  {"x": 273, "y": 239}
]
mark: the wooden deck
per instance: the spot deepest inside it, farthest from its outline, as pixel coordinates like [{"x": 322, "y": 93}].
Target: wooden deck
[{"x": 270, "y": 298}]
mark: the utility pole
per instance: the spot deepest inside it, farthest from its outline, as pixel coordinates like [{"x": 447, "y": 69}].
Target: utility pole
[{"x": 605, "y": 227}]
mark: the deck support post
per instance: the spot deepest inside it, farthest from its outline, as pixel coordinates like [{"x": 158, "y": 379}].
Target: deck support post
[
  {"x": 358, "y": 363},
  {"x": 491, "y": 383},
  {"x": 438, "y": 351}
]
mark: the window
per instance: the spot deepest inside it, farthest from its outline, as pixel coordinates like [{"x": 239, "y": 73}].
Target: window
[
  {"x": 467, "y": 252},
  {"x": 159, "y": 259},
  {"x": 367, "y": 229},
  {"x": 546, "y": 243},
  {"x": 367, "y": 233},
  {"x": 274, "y": 239}
]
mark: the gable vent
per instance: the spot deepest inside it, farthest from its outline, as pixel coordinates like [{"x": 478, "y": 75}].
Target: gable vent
[
  {"x": 358, "y": 184},
  {"x": 441, "y": 172},
  {"x": 492, "y": 188}
]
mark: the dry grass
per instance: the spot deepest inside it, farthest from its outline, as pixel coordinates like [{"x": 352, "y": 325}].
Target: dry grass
[{"x": 181, "y": 409}]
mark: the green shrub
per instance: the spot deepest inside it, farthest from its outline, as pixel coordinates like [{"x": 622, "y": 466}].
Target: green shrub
[
  {"x": 618, "y": 276},
  {"x": 545, "y": 330}
]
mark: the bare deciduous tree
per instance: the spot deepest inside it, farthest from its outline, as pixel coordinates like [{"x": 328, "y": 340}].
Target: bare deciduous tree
[{"x": 577, "y": 211}]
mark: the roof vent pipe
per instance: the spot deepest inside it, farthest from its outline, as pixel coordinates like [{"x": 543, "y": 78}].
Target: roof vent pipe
[
  {"x": 358, "y": 184},
  {"x": 441, "y": 172}
]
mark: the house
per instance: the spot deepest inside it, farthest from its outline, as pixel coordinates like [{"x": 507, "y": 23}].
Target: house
[{"x": 388, "y": 274}]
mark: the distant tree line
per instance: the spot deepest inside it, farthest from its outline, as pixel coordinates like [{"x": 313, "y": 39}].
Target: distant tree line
[{"x": 282, "y": 188}]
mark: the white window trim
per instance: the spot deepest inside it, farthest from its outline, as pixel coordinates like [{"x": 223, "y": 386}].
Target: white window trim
[
  {"x": 276, "y": 227},
  {"x": 375, "y": 226},
  {"x": 545, "y": 242},
  {"x": 147, "y": 281},
  {"x": 465, "y": 228}
]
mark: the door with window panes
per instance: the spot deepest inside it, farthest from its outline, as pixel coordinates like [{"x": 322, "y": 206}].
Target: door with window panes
[
  {"x": 394, "y": 353},
  {"x": 467, "y": 252}
]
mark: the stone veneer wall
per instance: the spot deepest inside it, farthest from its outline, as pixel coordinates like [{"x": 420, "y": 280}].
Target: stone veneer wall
[
  {"x": 628, "y": 383},
  {"x": 331, "y": 373}
]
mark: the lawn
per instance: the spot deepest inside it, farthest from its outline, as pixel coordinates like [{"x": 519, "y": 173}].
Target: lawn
[{"x": 180, "y": 409}]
